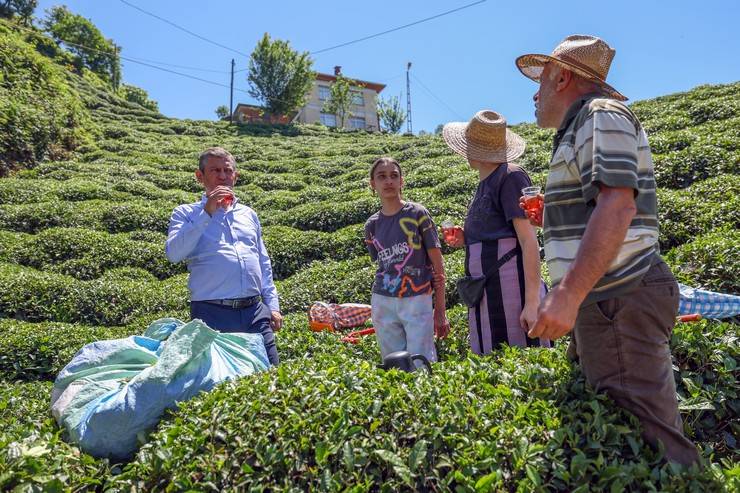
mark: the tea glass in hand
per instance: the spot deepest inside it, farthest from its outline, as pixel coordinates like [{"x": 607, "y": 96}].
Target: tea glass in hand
[
  {"x": 448, "y": 230},
  {"x": 532, "y": 201},
  {"x": 227, "y": 201}
]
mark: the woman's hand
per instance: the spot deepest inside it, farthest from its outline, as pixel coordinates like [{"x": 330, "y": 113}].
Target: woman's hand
[
  {"x": 454, "y": 236},
  {"x": 529, "y": 315},
  {"x": 534, "y": 216}
]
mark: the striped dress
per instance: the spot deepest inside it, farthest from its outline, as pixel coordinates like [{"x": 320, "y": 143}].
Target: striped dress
[{"x": 495, "y": 320}]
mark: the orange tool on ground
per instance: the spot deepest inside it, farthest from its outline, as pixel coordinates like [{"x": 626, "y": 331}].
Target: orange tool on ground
[{"x": 354, "y": 337}]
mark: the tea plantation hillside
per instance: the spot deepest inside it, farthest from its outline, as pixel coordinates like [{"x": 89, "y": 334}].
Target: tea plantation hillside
[{"x": 82, "y": 234}]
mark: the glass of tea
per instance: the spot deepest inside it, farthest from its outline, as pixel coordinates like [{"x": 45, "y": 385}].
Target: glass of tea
[
  {"x": 532, "y": 200},
  {"x": 227, "y": 201},
  {"x": 448, "y": 230}
]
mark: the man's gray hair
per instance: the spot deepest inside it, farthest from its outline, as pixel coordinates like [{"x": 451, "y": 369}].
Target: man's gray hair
[{"x": 219, "y": 152}]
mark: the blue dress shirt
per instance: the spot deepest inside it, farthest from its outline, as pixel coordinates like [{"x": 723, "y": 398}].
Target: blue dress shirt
[{"x": 225, "y": 254}]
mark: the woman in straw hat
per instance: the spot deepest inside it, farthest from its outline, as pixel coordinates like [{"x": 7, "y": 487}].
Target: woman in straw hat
[{"x": 500, "y": 243}]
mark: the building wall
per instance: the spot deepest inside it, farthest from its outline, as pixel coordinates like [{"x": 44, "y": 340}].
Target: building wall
[{"x": 311, "y": 112}]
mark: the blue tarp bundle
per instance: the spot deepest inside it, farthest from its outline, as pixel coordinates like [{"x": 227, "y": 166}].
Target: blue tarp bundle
[{"x": 115, "y": 391}]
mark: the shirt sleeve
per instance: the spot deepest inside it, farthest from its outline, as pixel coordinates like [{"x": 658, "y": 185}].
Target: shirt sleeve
[
  {"x": 185, "y": 229},
  {"x": 428, "y": 230},
  {"x": 369, "y": 240},
  {"x": 510, "y": 191},
  {"x": 606, "y": 152},
  {"x": 269, "y": 291}
]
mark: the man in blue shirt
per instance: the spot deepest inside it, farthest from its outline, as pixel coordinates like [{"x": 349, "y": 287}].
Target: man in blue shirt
[{"x": 231, "y": 286}]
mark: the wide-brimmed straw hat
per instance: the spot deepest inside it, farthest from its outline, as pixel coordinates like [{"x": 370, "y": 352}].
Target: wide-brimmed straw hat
[
  {"x": 484, "y": 138},
  {"x": 588, "y": 56}
]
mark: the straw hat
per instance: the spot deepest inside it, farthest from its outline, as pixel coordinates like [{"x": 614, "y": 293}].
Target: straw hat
[
  {"x": 588, "y": 56},
  {"x": 484, "y": 138}
]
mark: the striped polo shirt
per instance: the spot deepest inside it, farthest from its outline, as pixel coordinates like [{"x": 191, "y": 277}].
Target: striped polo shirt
[{"x": 600, "y": 141}]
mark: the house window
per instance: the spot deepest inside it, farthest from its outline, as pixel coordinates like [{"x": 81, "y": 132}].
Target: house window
[
  {"x": 355, "y": 122},
  {"x": 328, "y": 119},
  {"x": 324, "y": 93},
  {"x": 358, "y": 98}
]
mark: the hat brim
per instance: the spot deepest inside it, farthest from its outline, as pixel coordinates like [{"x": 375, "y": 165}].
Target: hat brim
[
  {"x": 532, "y": 65},
  {"x": 454, "y": 136}
]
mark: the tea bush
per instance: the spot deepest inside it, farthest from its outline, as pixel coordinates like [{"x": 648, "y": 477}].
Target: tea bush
[
  {"x": 711, "y": 261},
  {"x": 33, "y": 454},
  {"x": 39, "y": 296},
  {"x": 32, "y": 351},
  {"x": 86, "y": 254},
  {"x": 707, "y": 364},
  {"x": 703, "y": 207},
  {"x": 519, "y": 419}
]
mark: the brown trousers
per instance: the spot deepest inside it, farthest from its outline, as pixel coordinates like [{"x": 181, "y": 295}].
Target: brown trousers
[{"x": 622, "y": 344}]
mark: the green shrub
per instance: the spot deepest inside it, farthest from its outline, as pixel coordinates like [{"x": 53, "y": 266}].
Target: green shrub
[
  {"x": 35, "y": 296},
  {"x": 291, "y": 250},
  {"x": 515, "y": 421},
  {"x": 31, "y": 351},
  {"x": 685, "y": 214},
  {"x": 41, "y": 116},
  {"x": 682, "y": 168},
  {"x": 33, "y": 455},
  {"x": 711, "y": 261},
  {"x": 86, "y": 254},
  {"x": 707, "y": 362},
  {"x": 329, "y": 215},
  {"x": 348, "y": 281}
]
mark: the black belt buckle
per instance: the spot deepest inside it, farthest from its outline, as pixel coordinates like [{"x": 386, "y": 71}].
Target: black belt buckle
[
  {"x": 243, "y": 302},
  {"x": 237, "y": 303}
]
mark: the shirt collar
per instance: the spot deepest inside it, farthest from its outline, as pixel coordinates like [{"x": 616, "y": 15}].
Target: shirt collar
[{"x": 570, "y": 116}]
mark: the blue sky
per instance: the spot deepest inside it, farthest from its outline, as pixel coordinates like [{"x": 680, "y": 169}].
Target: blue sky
[{"x": 461, "y": 63}]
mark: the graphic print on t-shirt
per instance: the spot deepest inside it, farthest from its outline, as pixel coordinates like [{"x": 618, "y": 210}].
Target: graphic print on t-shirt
[{"x": 398, "y": 244}]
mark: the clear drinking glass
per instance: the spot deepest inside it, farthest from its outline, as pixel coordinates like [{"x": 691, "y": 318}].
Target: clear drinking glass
[
  {"x": 532, "y": 200},
  {"x": 448, "y": 230}
]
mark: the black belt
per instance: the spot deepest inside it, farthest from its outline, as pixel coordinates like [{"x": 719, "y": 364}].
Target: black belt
[{"x": 236, "y": 302}]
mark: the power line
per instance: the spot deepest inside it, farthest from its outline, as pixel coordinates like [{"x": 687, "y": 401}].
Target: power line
[
  {"x": 180, "y": 66},
  {"x": 182, "y": 75},
  {"x": 182, "y": 28},
  {"x": 435, "y": 97},
  {"x": 396, "y": 28}
]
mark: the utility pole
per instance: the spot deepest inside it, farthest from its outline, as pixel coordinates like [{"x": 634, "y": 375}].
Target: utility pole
[
  {"x": 231, "y": 98},
  {"x": 409, "y": 128}
]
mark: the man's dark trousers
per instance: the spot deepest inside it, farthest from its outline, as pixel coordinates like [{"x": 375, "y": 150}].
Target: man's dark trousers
[
  {"x": 622, "y": 344},
  {"x": 253, "y": 319}
]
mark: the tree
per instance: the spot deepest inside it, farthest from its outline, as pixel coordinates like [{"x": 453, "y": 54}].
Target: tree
[
  {"x": 137, "y": 95},
  {"x": 222, "y": 112},
  {"x": 81, "y": 37},
  {"x": 391, "y": 114},
  {"x": 340, "y": 99},
  {"x": 22, "y": 8},
  {"x": 438, "y": 129},
  {"x": 278, "y": 76}
]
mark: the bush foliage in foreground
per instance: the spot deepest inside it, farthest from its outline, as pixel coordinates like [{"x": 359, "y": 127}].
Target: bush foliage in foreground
[{"x": 521, "y": 420}]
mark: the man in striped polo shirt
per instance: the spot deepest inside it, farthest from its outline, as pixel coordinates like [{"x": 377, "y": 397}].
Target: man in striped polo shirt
[{"x": 610, "y": 285}]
